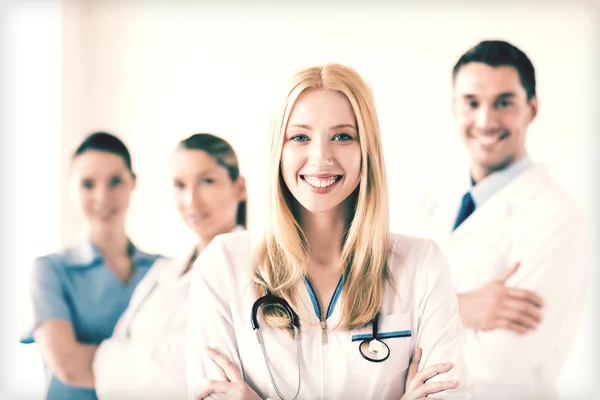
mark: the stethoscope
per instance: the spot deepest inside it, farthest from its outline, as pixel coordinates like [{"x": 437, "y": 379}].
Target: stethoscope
[{"x": 371, "y": 349}]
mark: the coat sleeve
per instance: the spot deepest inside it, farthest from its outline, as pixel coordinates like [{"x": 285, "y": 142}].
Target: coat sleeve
[
  {"x": 440, "y": 330},
  {"x": 552, "y": 256},
  {"x": 210, "y": 318},
  {"x": 152, "y": 367}
]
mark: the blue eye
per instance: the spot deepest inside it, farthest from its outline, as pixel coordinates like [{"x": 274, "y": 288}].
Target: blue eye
[
  {"x": 343, "y": 137},
  {"x": 299, "y": 138},
  {"x": 208, "y": 181}
]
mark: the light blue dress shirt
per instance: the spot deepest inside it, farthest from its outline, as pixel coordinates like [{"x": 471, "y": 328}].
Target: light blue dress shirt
[
  {"x": 77, "y": 286},
  {"x": 492, "y": 183}
]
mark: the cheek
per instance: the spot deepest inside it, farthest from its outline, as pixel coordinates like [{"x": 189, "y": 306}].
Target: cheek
[
  {"x": 179, "y": 196},
  {"x": 464, "y": 119},
  {"x": 288, "y": 166},
  {"x": 352, "y": 159},
  {"x": 222, "y": 199},
  {"x": 123, "y": 194},
  {"x": 85, "y": 199}
]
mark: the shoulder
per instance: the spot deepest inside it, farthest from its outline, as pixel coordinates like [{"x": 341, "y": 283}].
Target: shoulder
[
  {"x": 415, "y": 256},
  {"x": 159, "y": 266},
  {"x": 147, "y": 259},
  {"x": 51, "y": 264},
  {"x": 227, "y": 254},
  {"x": 549, "y": 200}
]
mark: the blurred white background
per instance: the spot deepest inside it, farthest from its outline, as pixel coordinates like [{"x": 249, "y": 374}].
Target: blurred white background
[{"x": 154, "y": 72}]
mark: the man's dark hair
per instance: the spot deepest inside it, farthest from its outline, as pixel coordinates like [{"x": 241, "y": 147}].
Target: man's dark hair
[{"x": 496, "y": 53}]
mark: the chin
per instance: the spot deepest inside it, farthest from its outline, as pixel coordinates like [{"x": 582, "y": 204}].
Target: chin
[{"x": 320, "y": 207}]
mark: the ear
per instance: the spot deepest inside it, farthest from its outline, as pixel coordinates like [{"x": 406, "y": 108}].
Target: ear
[
  {"x": 241, "y": 188},
  {"x": 133, "y": 181},
  {"x": 533, "y": 104}
]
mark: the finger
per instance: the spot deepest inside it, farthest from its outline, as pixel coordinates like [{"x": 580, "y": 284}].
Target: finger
[
  {"x": 215, "y": 387},
  {"x": 428, "y": 373},
  {"x": 226, "y": 365},
  {"x": 503, "y": 323},
  {"x": 518, "y": 317},
  {"x": 524, "y": 307},
  {"x": 508, "y": 273},
  {"x": 432, "y": 388},
  {"x": 523, "y": 294},
  {"x": 414, "y": 364}
]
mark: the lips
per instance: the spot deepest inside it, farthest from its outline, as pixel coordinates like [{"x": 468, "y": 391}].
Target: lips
[
  {"x": 198, "y": 217},
  {"x": 105, "y": 214}
]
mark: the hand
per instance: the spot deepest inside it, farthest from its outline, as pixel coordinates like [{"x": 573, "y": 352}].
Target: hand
[
  {"x": 416, "y": 388},
  {"x": 234, "y": 387},
  {"x": 496, "y": 306}
]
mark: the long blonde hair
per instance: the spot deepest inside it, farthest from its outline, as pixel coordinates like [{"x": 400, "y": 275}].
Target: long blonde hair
[{"x": 282, "y": 253}]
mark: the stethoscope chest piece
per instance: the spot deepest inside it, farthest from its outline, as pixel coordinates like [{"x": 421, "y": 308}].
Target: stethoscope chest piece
[{"x": 374, "y": 350}]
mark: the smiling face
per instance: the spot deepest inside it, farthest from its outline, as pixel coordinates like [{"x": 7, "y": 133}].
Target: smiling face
[
  {"x": 206, "y": 197},
  {"x": 492, "y": 112},
  {"x": 103, "y": 186},
  {"x": 321, "y": 155}
]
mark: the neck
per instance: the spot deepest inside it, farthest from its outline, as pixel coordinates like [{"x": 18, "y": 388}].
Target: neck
[
  {"x": 480, "y": 172},
  {"x": 324, "y": 232},
  {"x": 111, "y": 244}
]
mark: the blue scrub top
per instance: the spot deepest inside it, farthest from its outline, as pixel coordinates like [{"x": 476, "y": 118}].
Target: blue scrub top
[{"x": 76, "y": 285}]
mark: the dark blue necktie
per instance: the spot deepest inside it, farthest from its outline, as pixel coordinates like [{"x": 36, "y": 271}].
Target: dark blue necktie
[{"x": 466, "y": 208}]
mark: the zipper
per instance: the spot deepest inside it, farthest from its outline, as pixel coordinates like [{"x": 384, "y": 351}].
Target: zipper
[
  {"x": 325, "y": 360},
  {"x": 326, "y": 371}
]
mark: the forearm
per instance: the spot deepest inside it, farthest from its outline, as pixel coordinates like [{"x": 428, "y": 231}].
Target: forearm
[{"x": 75, "y": 368}]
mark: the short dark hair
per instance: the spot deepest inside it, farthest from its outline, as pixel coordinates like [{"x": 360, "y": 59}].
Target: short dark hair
[
  {"x": 102, "y": 141},
  {"x": 224, "y": 155},
  {"x": 496, "y": 53}
]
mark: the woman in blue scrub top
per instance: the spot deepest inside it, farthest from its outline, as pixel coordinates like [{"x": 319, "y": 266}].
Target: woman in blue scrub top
[{"x": 78, "y": 294}]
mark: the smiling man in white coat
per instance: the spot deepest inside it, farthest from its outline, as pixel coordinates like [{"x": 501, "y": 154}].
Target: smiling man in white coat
[{"x": 515, "y": 239}]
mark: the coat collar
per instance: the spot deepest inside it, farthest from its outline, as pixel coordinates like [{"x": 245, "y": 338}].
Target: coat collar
[{"x": 500, "y": 206}]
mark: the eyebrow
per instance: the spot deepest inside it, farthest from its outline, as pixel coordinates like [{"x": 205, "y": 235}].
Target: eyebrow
[
  {"x": 340, "y": 126},
  {"x": 502, "y": 95}
]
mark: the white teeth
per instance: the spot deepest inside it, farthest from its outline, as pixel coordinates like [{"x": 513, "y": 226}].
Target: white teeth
[
  {"x": 487, "y": 140},
  {"x": 320, "y": 182}
]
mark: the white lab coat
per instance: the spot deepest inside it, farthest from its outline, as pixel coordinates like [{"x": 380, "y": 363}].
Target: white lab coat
[
  {"x": 144, "y": 358},
  {"x": 221, "y": 297},
  {"x": 532, "y": 221}
]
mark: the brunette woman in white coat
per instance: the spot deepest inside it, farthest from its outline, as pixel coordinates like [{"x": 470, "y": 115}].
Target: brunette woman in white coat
[{"x": 144, "y": 358}]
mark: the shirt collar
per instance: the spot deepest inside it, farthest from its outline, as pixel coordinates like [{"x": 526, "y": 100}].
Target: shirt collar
[
  {"x": 86, "y": 254},
  {"x": 493, "y": 183}
]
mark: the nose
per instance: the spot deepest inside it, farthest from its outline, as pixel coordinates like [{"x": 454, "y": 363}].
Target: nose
[
  {"x": 486, "y": 119},
  {"x": 101, "y": 196},
  {"x": 191, "y": 197},
  {"x": 321, "y": 155}
]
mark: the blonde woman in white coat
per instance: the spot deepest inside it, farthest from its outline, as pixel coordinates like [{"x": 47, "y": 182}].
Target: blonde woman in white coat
[
  {"x": 145, "y": 356},
  {"x": 364, "y": 299}
]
